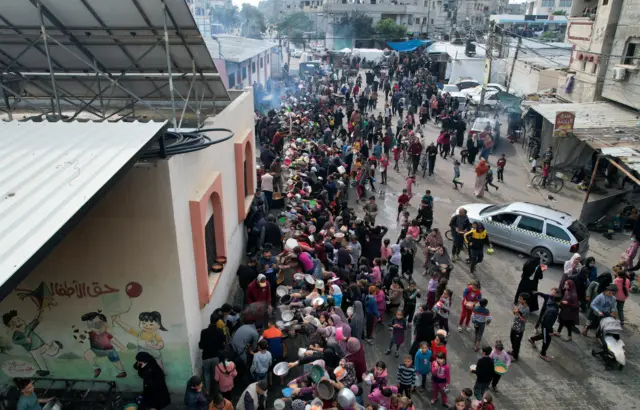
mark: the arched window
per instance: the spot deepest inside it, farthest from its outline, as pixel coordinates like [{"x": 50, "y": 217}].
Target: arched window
[{"x": 245, "y": 173}]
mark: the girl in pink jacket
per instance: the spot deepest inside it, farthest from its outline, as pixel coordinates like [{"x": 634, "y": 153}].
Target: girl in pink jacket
[
  {"x": 225, "y": 373},
  {"x": 382, "y": 397},
  {"x": 440, "y": 378},
  {"x": 382, "y": 303}
]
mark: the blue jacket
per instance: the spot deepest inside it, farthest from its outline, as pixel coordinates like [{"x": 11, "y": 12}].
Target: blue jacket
[
  {"x": 605, "y": 304},
  {"x": 371, "y": 306},
  {"x": 422, "y": 362}
]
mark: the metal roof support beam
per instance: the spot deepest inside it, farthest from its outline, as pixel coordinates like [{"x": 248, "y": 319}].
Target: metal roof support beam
[
  {"x": 44, "y": 11},
  {"x": 184, "y": 42},
  {"x": 150, "y": 26},
  {"x": 171, "y": 89},
  {"x": 43, "y": 31},
  {"x": 132, "y": 104},
  {"x": 20, "y": 54},
  {"x": 21, "y": 34},
  {"x": 19, "y": 98},
  {"x": 186, "y": 101},
  {"x": 116, "y": 81},
  {"x": 107, "y": 76}
]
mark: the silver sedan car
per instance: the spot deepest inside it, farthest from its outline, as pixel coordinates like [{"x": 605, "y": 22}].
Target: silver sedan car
[{"x": 536, "y": 230}]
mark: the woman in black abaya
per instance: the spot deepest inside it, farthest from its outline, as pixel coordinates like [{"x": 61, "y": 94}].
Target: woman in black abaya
[
  {"x": 424, "y": 329},
  {"x": 155, "y": 394},
  {"x": 531, "y": 275}
]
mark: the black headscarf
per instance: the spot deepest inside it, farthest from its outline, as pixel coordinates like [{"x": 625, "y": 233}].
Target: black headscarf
[
  {"x": 155, "y": 393},
  {"x": 530, "y": 267},
  {"x": 605, "y": 279}
]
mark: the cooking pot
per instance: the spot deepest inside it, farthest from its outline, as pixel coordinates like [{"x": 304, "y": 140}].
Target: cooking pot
[
  {"x": 53, "y": 405},
  {"x": 281, "y": 369},
  {"x": 346, "y": 398}
]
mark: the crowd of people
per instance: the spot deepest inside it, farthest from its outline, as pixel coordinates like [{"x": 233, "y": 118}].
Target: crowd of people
[{"x": 324, "y": 275}]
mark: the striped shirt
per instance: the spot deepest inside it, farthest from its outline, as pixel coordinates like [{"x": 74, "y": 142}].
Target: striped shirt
[
  {"x": 480, "y": 315},
  {"x": 406, "y": 375}
]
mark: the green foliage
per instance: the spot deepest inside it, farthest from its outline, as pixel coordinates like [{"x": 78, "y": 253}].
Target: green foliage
[
  {"x": 361, "y": 25},
  {"x": 226, "y": 15},
  {"x": 559, "y": 13},
  {"x": 252, "y": 20},
  {"x": 294, "y": 26},
  {"x": 548, "y": 36},
  {"x": 388, "y": 30}
]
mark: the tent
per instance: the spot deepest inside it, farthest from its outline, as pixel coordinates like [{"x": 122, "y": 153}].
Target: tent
[{"x": 409, "y": 45}]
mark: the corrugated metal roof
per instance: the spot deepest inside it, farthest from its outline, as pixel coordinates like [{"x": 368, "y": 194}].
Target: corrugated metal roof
[
  {"x": 623, "y": 143},
  {"x": 49, "y": 171},
  {"x": 591, "y": 115},
  {"x": 235, "y": 48}
]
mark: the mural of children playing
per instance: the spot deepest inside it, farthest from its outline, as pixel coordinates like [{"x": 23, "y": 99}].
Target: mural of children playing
[
  {"x": 102, "y": 344},
  {"x": 148, "y": 339},
  {"x": 24, "y": 335}
]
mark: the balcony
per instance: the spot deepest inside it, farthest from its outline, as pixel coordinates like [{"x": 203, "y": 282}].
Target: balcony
[{"x": 579, "y": 31}]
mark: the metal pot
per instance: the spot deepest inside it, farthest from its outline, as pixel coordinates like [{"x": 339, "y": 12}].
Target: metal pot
[
  {"x": 285, "y": 300},
  {"x": 53, "y": 405},
  {"x": 288, "y": 316},
  {"x": 325, "y": 390},
  {"x": 346, "y": 398},
  {"x": 281, "y": 369}
]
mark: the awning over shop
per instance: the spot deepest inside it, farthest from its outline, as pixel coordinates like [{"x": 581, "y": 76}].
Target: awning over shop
[
  {"x": 52, "y": 173},
  {"x": 409, "y": 45},
  {"x": 508, "y": 100}
]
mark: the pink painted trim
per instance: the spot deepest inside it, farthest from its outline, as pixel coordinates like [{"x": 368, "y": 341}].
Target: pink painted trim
[
  {"x": 578, "y": 23},
  {"x": 198, "y": 213},
  {"x": 240, "y": 150}
]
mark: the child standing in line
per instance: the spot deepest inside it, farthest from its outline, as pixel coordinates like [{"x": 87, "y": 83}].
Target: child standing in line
[
  {"x": 406, "y": 376},
  {"x": 398, "y": 326},
  {"x": 385, "y": 250},
  {"x": 380, "y": 377},
  {"x": 520, "y": 313},
  {"x": 470, "y": 298},
  {"x": 480, "y": 318},
  {"x": 439, "y": 344},
  {"x": 502, "y": 161},
  {"x": 442, "y": 308},
  {"x": 225, "y": 373},
  {"x": 422, "y": 363},
  {"x": 498, "y": 354},
  {"x": 397, "y": 151},
  {"x": 403, "y": 202},
  {"x": 411, "y": 181},
  {"x": 456, "y": 175},
  {"x": 464, "y": 155},
  {"x": 440, "y": 378},
  {"x": 431, "y": 291},
  {"x": 427, "y": 198}
]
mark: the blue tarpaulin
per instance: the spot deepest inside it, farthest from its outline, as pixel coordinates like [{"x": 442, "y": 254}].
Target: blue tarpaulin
[{"x": 409, "y": 45}]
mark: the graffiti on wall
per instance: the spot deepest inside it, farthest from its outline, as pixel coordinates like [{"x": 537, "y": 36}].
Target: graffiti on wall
[{"x": 104, "y": 336}]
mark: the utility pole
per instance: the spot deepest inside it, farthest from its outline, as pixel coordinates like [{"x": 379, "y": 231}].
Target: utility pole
[
  {"x": 428, "y": 18},
  {"x": 513, "y": 64},
  {"x": 487, "y": 65}
]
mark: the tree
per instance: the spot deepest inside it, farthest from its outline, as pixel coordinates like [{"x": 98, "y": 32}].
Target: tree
[
  {"x": 294, "y": 26},
  {"x": 252, "y": 21},
  {"x": 226, "y": 15},
  {"x": 361, "y": 25},
  {"x": 388, "y": 30}
]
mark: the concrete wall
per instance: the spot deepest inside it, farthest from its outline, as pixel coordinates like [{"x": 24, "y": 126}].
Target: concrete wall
[
  {"x": 190, "y": 175},
  {"x": 121, "y": 261},
  {"x": 625, "y": 92}
]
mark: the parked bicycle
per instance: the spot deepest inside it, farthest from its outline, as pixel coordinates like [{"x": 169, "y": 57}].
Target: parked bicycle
[{"x": 554, "y": 182}]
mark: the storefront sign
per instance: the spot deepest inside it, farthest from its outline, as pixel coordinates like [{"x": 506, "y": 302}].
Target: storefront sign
[{"x": 564, "y": 123}]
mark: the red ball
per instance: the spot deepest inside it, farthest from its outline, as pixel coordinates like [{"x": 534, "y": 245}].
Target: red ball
[{"x": 133, "y": 289}]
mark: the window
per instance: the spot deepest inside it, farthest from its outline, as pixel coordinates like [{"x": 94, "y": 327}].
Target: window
[
  {"x": 210, "y": 243},
  {"x": 594, "y": 68},
  {"x": 531, "y": 224},
  {"x": 505, "y": 218},
  {"x": 557, "y": 232},
  {"x": 261, "y": 62},
  {"x": 431, "y": 21},
  {"x": 605, "y": 2},
  {"x": 238, "y": 79},
  {"x": 583, "y": 65},
  {"x": 253, "y": 67},
  {"x": 244, "y": 73},
  {"x": 632, "y": 54},
  {"x": 548, "y": 3},
  {"x": 232, "y": 80},
  {"x": 565, "y": 3}
]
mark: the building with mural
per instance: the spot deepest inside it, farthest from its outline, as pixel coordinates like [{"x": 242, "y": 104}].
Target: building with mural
[{"x": 109, "y": 225}]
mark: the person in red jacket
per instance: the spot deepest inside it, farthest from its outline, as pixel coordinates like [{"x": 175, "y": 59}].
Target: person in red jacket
[{"x": 259, "y": 291}]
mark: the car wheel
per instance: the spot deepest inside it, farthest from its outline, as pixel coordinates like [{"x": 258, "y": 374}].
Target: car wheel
[{"x": 544, "y": 254}]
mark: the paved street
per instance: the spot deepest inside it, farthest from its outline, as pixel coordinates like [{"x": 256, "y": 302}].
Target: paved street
[{"x": 575, "y": 379}]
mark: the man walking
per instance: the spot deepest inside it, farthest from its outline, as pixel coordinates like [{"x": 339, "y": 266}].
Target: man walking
[
  {"x": 459, "y": 225},
  {"x": 548, "y": 320}
]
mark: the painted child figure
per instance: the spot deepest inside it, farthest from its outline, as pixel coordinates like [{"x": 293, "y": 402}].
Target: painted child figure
[{"x": 102, "y": 344}]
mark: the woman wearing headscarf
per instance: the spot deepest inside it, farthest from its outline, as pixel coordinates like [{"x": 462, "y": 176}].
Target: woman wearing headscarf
[
  {"x": 581, "y": 280},
  {"x": 481, "y": 178},
  {"x": 155, "y": 394},
  {"x": 357, "y": 321},
  {"x": 375, "y": 235},
  {"x": 396, "y": 257},
  {"x": 423, "y": 329},
  {"x": 569, "y": 315},
  {"x": 336, "y": 293},
  {"x": 355, "y": 355},
  {"x": 571, "y": 267},
  {"x": 431, "y": 244},
  {"x": 531, "y": 276},
  {"x": 343, "y": 330}
]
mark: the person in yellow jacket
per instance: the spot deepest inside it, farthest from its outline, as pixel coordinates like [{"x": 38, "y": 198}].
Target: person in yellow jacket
[{"x": 475, "y": 239}]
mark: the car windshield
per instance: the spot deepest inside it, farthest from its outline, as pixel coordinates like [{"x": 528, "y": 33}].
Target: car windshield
[
  {"x": 579, "y": 231},
  {"x": 492, "y": 208},
  {"x": 449, "y": 88}
]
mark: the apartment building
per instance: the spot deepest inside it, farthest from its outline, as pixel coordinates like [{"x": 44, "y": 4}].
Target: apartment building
[
  {"x": 605, "y": 63},
  {"x": 548, "y": 6}
]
